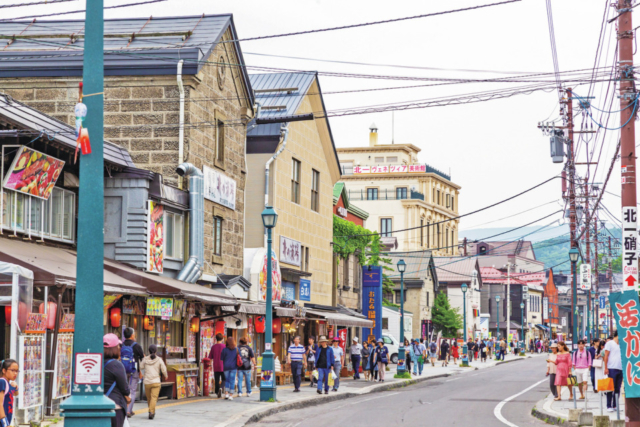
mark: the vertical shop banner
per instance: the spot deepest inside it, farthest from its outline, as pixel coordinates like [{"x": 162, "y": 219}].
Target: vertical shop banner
[
  {"x": 545, "y": 308},
  {"x": 155, "y": 228},
  {"x": 219, "y": 188},
  {"x": 276, "y": 278},
  {"x": 342, "y": 335},
  {"x": 626, "y": 310},
  {"x": 585, "y": 277},
  {"x": 629, "y": 249},
  {"x": 305, "y": 290},
  {"x": 372, "y": 300},
  {"x": 603, "y": 302},
  {"x": 484, "y": 326}
]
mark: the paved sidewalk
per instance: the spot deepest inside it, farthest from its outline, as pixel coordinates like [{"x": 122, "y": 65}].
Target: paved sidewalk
[{"x": 224, "y": 413}]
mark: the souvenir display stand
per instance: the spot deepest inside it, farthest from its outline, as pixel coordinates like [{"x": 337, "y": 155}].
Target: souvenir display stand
[
  {"x": 31, "y": 375},
  {"x": 185, "y": 377},
  {"x": 62, "y": 370}
]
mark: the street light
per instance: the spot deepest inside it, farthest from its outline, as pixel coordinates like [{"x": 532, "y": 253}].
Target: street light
[
  {"x": 268, "y": 387},
  {"x": 522, "y": 326},
  {"x": 573, "y": 257},
  {"x": 465, "y": 359},
  {"x": 498, "y": 317},
  {"x": 402, "y": 267}
]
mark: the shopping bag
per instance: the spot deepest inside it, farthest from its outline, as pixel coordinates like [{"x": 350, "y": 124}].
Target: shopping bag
[
  {"x": 333, "y": 375},
  {"x": 572, "y": 380},
  {"x": 315, "y": 374},
  {"x": 330, "y": 381},
  {"x": 605, "y": 384},
  {"x": 597, "y": 363}
]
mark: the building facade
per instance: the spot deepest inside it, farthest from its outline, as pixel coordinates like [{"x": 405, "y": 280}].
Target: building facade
[{"x": 400, "y": 192}]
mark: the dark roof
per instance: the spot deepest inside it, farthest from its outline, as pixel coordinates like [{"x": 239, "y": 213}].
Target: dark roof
[
  {"x": 25, "y": 117},
  {"x": 158, "y": 45}
]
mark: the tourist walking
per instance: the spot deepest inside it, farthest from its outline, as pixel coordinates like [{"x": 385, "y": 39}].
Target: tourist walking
[
  {"x": 598, "y": 363},
  {"x": 338, "y": 355},
  {"x": 418, "y": 357},
  {"x": 131, "y": 354},
  {"x": 116, "y": 386},
  {"x": 355, "y": 351},
  {"x": 312, "y": 349},
  {"x": 581, "y": 362},
  {"x": 483, "y": 351},
  {"x": 407, "y": 360},
  {"x": 218, "y": 366},
  {"x": 8, "y": 390},
  {"x": 365, "y": 360},
  {"x": 444, "y": 352},
  {"x": 229, "y": 358},
  {"x": 563, "y": 367},
  {"x": 470, "y": 350},
  {"x": 503, "y": 349},
  {"x": 324, "y": 364},
  {"x": 592, "y": 370},
  {"x": 423, "y": 355},
  {"x": 455, "y": 352},
  {"x": 613, "y": 369},
  {"x": 296, "y": 360},
  {"x": 248, "y": 362},
  {"x": 433, "y": 352},
  {"x": 551, "y": 369},
  {"x": 490, "y": 346},
  {"x": 372, "y": 366},
  {"x": 381, "y": 356},
  {"x": 153, "y": 369}
]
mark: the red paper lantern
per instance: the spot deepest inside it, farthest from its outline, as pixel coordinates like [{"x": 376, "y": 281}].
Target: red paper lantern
[
  {"x": 23, "y": 314},
  {"x": 220, "y": 327},
  {"x": 195, "y": 325},
  {"x": 277, "y": 326},
  {"x": 51, "y": 315},
  {"x": 116, "y": 317},
  {"x": 259, "y": 322},
  {"x": 149, "y": 323},
  {"x": 7, "y": 314}
]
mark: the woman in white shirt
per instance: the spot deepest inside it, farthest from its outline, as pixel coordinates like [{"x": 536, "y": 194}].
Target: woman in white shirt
[
  {"x": 599, "y": 370},
  {"x": 551, "y": 369}
]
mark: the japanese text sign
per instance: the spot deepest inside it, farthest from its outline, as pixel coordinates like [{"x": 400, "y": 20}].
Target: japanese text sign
[
  {"x": 342, "y": 336},
  {"x": 585, "y": 277},
  {"x": 372, "y": 300},
  {"x": 630, "y": 248},
  {"x": 162, "y": 307},
  {"x": 626, "y": 310},
  {"x": 305, "y": 290}
]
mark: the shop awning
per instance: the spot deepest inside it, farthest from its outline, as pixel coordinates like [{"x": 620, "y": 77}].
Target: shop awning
[
  {"x": 261, "y": 308},
  {"x": 56, "y": 266},
  {"x": 542, "y": 327},
  {"x": 340, "y": 319}
]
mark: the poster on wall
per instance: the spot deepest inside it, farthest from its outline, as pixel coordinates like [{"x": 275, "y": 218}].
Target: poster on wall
[
  {"x": 155, "y": 248},
  {"x": 289, "y": 290},
  {"x": 162, "y": 307},
  {"x": 219, "y": 188},
  {"x": 290, "y": 251},
  {"x": 68, "y": 323},
  {"x": 276, "y": 279},
  {"x": 109, "y": 300},
  {"x": 191, "y": 347},
  {"x": 62, "y": 370},
  {"x": 31, "y": 375},
  {"x": 36, "y": 323},
  {"x": 34, "y": 173},
  {"x": 134, "y": 306},
  {"x": 206, "y": 338}
]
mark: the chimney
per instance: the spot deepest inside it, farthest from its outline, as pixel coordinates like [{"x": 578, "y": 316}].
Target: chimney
[{"x": 373, "y": 135}]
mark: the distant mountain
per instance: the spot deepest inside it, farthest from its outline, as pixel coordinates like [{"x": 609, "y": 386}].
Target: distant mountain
[{"x": 533, "y": 234}]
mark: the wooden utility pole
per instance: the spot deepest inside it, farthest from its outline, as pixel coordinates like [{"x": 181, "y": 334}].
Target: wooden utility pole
[
  {"x": 595, "y": 305},
  {"x": 587, "y": 224},
  {"x": 571, "y": 169}
]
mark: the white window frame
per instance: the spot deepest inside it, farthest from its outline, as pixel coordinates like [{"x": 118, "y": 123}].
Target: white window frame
[{"x": 178, "y": 235}]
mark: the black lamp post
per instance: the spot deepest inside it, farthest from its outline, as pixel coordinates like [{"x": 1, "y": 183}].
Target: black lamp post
[
  {"x": 402, "y": 267},
  {"x": 574, "y": 253}
]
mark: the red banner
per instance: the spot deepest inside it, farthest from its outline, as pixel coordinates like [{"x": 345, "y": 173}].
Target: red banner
[{"x": 342, "y": 335}]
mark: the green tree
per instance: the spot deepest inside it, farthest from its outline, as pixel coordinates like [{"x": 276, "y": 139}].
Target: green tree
[{"x": 445, "y": 319}]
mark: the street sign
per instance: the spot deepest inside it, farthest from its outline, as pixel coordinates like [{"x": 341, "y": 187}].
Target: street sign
[
  {"x": 88, "y": 368},
  {"x": 585, "y": 277},
  {"x": 603, "y": 302},
  {"x": 630, "y": 249},
  {"x": 545, "y": 308}
]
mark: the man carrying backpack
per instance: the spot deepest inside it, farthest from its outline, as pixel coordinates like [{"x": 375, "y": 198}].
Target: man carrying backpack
[
  {"x": 433, "y": 352},
  {"x": 131, "y": 354}
]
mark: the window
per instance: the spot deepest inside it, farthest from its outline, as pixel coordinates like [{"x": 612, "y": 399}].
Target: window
[
  {"x": 306, "y": 258},
  {"x": 421, "y": 232},
  {"x": 401, "y": 193},
  {"x": 315, "y": 190},
  {"x": 295, "y": 181},
  {"x": 427, "y": 299},
  {"x": 438, "y": 241},
  {"x": 385, "y": 227},
  {"x": 386, "y": 339},
  {"x": 388, "y": 296},
  {"x": 345, "y": 272},
  {"x": 219, "y": 142},
  {"x": 379, "y": 159},
  {"x": 438, "y": 200},
  {"x": 346, "y": 168},
  {"x": 173, "y": 235},
  {"x": 433, "y": 199},
  {"x": 385, "y": 325},
  {"x": 217, "y": 236},
  {"x": 428, "y": 235},
  {"x": 446, "y": 239},
  {"x": 448, "y": 198},
  {"x": 393, "y": 159},
  {"x": 356, "y": 273},
  {"x": 398, "y": 299},
  {"x": 452, "y": 203},
  {"x": 453, "y": 240},
  {"x": 372, "y": 194}
]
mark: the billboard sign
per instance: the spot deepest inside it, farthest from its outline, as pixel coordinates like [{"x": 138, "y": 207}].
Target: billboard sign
[{"x": 33, "y": 173}]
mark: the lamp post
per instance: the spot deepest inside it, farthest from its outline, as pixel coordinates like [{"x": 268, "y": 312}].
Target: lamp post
[
  {"x": 402, "y": 266},
  {"x": 498, "y": 317},
  {"x": 522, "y": 328},
  {"x": 465, "y": 359},
  {"x": 268, "y": 387},
  {"x": 573, "y": 257}
]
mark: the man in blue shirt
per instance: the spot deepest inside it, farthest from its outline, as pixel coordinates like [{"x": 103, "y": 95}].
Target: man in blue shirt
[
  {"x": 295, "y": 357},
  {"x": 324, "y": 364}
]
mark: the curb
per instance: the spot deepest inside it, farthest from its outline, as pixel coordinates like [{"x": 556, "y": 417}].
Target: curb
[{"x": 551, "y": 419}]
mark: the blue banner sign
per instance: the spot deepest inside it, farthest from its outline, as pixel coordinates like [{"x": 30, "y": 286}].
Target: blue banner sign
[
  {"x": 603, "y": 302},
  {"x": 305, "y": 290},
  {"x": 626, "y": 309},
  {"x": 372, "y": 301},
  {"x": 289, "y": 290}
]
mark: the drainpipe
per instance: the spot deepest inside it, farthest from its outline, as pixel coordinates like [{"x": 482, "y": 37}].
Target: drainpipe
[
  {"x": 194, "y": 267},
  {"x": 181, "y": 120},
  {"x": 284, "y": 131}
]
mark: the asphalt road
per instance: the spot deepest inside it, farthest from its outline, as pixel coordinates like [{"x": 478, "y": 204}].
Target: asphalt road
[{"x": 468, "y": 400}]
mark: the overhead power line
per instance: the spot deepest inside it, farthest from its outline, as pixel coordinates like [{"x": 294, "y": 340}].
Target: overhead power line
[
  {"x": 6, "y": 6},
  {"x": 80, "y": 11}
]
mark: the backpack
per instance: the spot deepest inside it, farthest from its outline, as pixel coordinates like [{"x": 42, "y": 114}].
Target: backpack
[
  {"x": 239, "y": 361},
  {"x": 114, "y": 383},
  {"x": 246, "y": 360},
  {"x": 127, "y": 358},
  {"x": 433, "y": 347}
]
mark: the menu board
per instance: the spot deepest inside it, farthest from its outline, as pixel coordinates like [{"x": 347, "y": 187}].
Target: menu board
[
  {"x": 36, "y": 323},
  {"x": 191, "y": 347},
  {"x": 34, "y": 173},
  {"x": 133, "y": 306},
  {"x": 206, "y": 338},
  {"x": 181, "y": 387},
  {"x": 177, "y": 310},
  {"x": 31, "y": 376},
  {"x": 62, "y": 371},
  {"x": 162, "y": 307}
]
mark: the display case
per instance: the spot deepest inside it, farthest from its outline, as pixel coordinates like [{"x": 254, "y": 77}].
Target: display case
[
  {"x": 185, "y": 376},
  {"x": 31, "y": 375},
  {"x": 62, "y": 372}
]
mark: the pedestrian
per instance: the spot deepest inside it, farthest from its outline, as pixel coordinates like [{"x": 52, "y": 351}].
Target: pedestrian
[
  {"x": 312, "y": 349},
  {"x": 476, "y": 349},
  {"x": 229, "y": 358},
  {"x": 407, "y": 360},
  {"x": 490, "y": 348},
  {"x": 470, "y": 351},
  {"x": 8, "y": 390},
  {"x": 563, "y": 368},
  {"x": 153, "y": 369},
  {"x": 455, "y": 352},
  {"x": 599, "y": 360},
  {"x": 372, "y": 366},
  {"x": 338, "y": 355},
  {"x": 218, "y": 365},
  {"x": 324, "y": 364},
  {"x": 365, "y": 359},
  {"x": 531, "y": 345},
  {"x": 483, "y": 351},
  {"x": 444, "y": 352},
  {"x": 356, "y": 355},
  {"x": 244, "y": 371},
  {"x": 503, "y": 349},
  {"x": 116, "y": 386},
  {"x": 581, "y": 362},
  {"x": 381, "y": 359},
  {"x": 131, "y": 354},
  {"x": 551, "y": 369},
  {"x": 592, "y": 370},
  {"x": 418, "y": 362},
  {"x": 433, "y": 352},
  {"x": 423, "y": 354},
  {"x": 296, "y": 359},
  {"x": 613, "y": 369}
]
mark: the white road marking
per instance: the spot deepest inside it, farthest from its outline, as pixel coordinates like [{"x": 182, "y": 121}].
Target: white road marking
[
  {"x": 364, "y": 400},
  {"x": 498, "y": 409},
  {"x": 454, "y": 379}
]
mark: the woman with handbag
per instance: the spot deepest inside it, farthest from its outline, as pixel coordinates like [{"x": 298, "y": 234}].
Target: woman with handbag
[
  {"x": 598, "y": 363},
  {"x": 563, "y": 369},
  {"x": 231, "y": 360}
]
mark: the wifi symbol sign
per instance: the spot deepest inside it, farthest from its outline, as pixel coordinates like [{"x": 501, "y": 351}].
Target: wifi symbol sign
[{"x": 88, "y": 364}]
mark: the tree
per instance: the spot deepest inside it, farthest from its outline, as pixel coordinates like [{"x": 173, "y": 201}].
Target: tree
[{"x": 445, "y": 319}]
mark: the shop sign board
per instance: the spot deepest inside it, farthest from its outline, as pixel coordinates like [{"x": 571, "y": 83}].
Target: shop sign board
[
  {"x": 629, "y": 249},
  {"x": 342, "y": 212},
  {"x": 289, "y": 290},
  {"x": 390, "y": 169},
  {"x": 161, "y": 307},
  {"x": 155, "y": 246},
  {"x": 276, "y": 279},
  {"x": 88, "y": 368},
  {"x": 219, "y": 188},
  {"x": 290, "y": 251},
  {"x": 603, "y": 302},
  {"x": 305, "y": 290},
  {"x": 372, "y": 300},
  {"x": 33, "y": 173},
  {"x": 626, "y": 310},
  {"x": 545, "y": 308},
  {"x": 585, "y": 277},
  {"x": 342, "y": 336}
]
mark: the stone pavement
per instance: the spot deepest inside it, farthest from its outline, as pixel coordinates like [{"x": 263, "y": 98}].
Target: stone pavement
[{"x": 224, "y": 413}]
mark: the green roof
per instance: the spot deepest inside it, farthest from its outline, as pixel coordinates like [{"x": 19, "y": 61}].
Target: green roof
[
  {"x": 396, "y": 309},
  {"x": 338, "y": 190}
]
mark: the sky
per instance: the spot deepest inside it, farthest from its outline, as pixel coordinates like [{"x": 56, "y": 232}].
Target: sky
[{"x": 493, "y": 149}]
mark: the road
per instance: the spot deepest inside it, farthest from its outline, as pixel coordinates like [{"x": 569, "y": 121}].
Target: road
[{"x": 463, "y": 400}]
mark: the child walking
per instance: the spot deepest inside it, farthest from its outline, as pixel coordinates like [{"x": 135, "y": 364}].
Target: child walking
[{"x": 8, "y": 388}]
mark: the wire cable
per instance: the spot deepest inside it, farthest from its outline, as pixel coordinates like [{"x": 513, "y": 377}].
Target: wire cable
[
  {"x": 81, "y": 11},
  {"x": 34, "y": 3}
]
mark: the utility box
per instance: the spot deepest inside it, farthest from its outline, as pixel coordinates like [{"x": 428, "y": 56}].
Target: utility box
[{"x": 557, "y": 149}]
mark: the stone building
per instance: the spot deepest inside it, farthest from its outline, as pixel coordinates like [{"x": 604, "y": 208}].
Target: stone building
[{"x": 148, "y": 73}]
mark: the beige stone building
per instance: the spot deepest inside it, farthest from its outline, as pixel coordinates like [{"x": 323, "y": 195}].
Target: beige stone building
[
  {"x": 300, "y": 186},
  {"x": 165, "y": 66},
  {"x": 401, "y": 192}
]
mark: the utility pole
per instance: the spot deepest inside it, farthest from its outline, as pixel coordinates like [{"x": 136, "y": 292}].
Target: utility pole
[
  {"x": 508, "y": 296},
  {"x": 88, "y": 406},
  {"x": 594, "y": 316},
  {"x": 610, "y": 285},
  {"x": 587, "y": 224},
  {"x": 571, "y": 166}
]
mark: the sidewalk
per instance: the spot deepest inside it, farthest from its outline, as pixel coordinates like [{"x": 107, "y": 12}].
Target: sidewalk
[{"x": 223, "y": 413}]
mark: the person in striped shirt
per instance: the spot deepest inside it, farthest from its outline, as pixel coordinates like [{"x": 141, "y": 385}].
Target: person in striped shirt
[{"x": 296, "y": 359}]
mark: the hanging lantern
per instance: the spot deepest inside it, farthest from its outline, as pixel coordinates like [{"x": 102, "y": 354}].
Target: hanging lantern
[
  {"x": 277, "y": 326},
  {"x": 51, "y": 313},
  {"x": 259, "y": 322},
  {"x": 195, "y": 325},
  {"x": 149, "y": 323},
  {"x": 135, "y": 322},
  {"x": 7, "y": 314},
  {"x": 220, "y": 327},
  {"x": 116, "y": 317}
]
